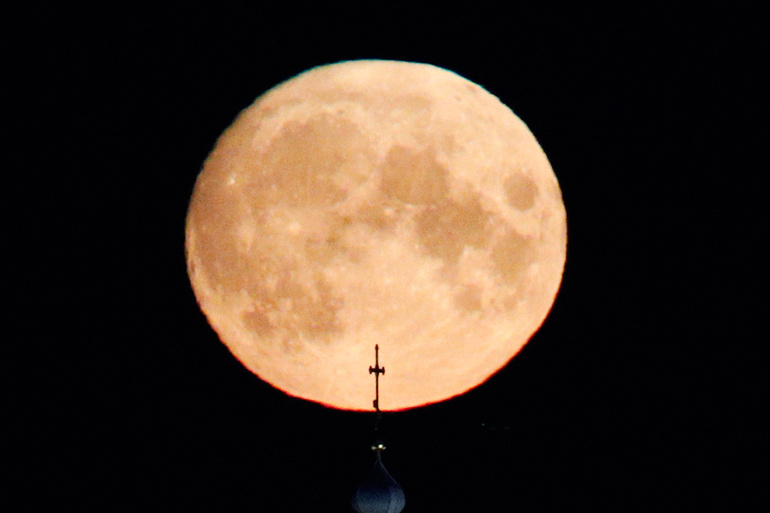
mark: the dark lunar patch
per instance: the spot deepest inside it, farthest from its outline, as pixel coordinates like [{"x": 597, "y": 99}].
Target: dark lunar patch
[
  {"x": 521, "y": 191},
  {"x": 373, "y": 214},
  {"x": 215, "y": 222},
  {"x": 295, "y": 309},
  {"x": 469, "y": 299},
  {"x": 221, "y": 261},
  {"x": 321, "y": 248},
  {"x": 413, "y": 177},
  {"x": 336, "y": 241},
  {"x": 512, "y": 256},
  {"x": 446, "y": 227},
  {"x": 258, "y": 323},
  {"x": 299, "y": 167}
]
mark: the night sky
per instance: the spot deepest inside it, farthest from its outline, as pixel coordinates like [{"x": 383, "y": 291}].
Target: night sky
[{"x": 641, "y": 391}]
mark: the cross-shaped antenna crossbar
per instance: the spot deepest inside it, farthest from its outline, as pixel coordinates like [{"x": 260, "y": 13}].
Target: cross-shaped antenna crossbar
[{"x": 376, "y": 370}]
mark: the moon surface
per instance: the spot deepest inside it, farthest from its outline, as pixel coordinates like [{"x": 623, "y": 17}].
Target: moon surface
[{"x": 376, "y": 202}]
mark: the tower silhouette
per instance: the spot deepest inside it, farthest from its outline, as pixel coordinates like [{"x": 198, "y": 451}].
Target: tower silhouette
[{"x": 378, "y": 492}]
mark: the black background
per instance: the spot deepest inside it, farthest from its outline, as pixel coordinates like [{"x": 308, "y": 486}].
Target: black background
[{"x": 640, "y": 392}]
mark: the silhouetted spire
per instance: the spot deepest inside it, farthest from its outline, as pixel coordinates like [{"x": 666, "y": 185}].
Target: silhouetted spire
[{"x": 378, "y": 493}]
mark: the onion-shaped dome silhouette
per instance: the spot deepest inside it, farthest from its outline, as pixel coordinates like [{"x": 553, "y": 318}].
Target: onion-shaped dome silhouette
[{"x": 378, "y": 493}]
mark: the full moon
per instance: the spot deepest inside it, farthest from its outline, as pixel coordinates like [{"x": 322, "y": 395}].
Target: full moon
[{"x": 376, "y": 202}]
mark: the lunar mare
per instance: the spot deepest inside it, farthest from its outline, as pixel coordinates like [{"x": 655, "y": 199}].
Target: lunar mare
[{"x": 376, "y": 202}]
